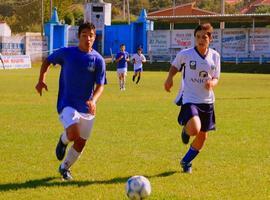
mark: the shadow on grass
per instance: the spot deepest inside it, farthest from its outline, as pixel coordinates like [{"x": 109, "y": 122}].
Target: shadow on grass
[{"x": 56, "y": 181}]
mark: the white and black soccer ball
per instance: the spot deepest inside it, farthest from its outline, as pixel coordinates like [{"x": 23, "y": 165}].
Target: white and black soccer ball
[{"x": 138, "y": 187}]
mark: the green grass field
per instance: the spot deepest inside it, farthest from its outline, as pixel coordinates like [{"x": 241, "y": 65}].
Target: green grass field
[{"x": 135, "y": 133}]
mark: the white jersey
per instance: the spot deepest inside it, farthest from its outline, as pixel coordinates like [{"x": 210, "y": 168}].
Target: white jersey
[
  {"x": 196, "y": 71},
  {"x": 138, "y": 60}
]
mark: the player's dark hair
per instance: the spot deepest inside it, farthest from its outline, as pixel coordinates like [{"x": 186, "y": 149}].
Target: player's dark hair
[
  {"x": 86, "y": 25},
  {"x": 122, "y": 45},
  {"x": 206, "y": 27}
]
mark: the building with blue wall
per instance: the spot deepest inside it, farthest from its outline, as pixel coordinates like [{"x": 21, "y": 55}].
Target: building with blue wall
[
  {"x": 56, "y": 33},
  {"x": 132, "y": 35}
]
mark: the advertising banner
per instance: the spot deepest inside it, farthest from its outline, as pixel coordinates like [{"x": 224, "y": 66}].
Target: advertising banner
[
  {"x": 158, "y": 42},
  {"x": 259, "y": 41},
  {"x": 36, "y": 46},
  {"x": 182, "y": 39},
  {"x": 72, "y": 35},
  {"x": 234, "y": 42},
  {"x": 14, "y": 45},
  {"x": 216, "y": 43},
  {"x": 16, "y": 62}
]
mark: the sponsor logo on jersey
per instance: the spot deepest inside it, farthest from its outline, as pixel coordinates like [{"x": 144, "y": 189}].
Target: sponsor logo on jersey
[
  {"x": 91, "y": 67},
  {"x": 202, "y": 77},
  {"x": 192, "y": 64},
  {"x": 203, "y": 74}
]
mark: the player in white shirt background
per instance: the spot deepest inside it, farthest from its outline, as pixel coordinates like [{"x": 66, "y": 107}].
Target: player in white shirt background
[
  {"x": 200, "y": 74},
  {"x": 138, "y": 59}
]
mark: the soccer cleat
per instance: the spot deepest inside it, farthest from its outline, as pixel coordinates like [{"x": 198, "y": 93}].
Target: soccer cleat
[
  {"x": 66, "y": 174},
  {"x": 60, "y": 149},
  {"x": 187, "y": 167},
  {"x": 185, "y": 137},
  {"x": 133, "y": 78}
]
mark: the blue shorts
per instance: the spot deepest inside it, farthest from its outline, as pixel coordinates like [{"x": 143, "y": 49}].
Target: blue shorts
[{"x": 205, "y": 112}]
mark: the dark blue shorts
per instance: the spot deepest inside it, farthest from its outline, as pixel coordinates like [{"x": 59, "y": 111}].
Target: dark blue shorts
[
  {"x": 205, "y": 112},
  {"x": 138, "y": 70}
]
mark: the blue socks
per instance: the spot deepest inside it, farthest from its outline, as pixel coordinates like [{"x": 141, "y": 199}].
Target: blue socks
[{"x": 190, "y": 155}]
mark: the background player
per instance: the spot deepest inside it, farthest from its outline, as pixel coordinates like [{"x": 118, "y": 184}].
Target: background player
[{"x": 138, "y": 59}]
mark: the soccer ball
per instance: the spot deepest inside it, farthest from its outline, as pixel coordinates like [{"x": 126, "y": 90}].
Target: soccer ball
[{"x": 138, "y": 187}]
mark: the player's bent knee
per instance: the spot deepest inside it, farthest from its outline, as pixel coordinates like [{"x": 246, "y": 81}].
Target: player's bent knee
[
  {"x": 73, "y": 132},
  {"x": 193, "y": 132}
]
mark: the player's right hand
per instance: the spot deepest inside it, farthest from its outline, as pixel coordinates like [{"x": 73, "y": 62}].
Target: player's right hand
[
  {"x": 40, "y": 85},
  {"x": 168, "y": 85}
]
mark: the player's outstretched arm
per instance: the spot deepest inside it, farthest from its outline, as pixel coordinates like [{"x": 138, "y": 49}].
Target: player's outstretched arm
[
  {"x": 169, "y": 81},
  {"x": 42, "y": 77}
]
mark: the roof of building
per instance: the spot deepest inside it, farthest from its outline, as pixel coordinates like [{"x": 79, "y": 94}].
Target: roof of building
[
  {"x": 184, "y": 9},
  {"x": 212, "y": 18}
]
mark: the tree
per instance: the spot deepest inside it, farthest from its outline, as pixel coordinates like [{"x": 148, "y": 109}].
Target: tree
[
  {"x": 263, "y": 9},
  {"x": 137, "y": 5}
]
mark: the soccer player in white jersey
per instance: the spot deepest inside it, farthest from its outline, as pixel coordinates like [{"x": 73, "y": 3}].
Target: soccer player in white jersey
[
  {"x": 138, "y": 59},
  {"x": 201, "y": 71},
  {"x": 81, "y": 83}
]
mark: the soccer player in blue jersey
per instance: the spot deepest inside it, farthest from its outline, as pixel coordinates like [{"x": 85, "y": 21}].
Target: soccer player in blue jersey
[
  {"x": 200, "y": 74},
  {"x": 81, "y": 83},
  {"x": 122, "y": 59}
]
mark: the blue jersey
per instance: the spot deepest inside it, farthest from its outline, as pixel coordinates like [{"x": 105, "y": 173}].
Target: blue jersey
[
  {"x": 122, "y": 63},
  {"x": 80, "y": 71}
]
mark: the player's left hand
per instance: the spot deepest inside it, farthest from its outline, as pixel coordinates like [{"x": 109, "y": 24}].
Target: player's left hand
[
  {"x": 209, "y": 84},
  {"x": 168, "y": 84},
  {"x": 91, "y": 107}
]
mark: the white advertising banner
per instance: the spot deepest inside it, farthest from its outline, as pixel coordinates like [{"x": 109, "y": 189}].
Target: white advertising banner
[
  {"x": 159, "y": 42},
  {"x": 36, "y": 46},
  {"x": 16, "y": 62},
  {"x": 14, "y": 45},
  {"x": 234, "y": 42},
  {"x": 72, "y": 35},
  {"x": 182, "y": 39},
  {"x": 216, "y": 43},
  {"x": 259, "y": 41}
]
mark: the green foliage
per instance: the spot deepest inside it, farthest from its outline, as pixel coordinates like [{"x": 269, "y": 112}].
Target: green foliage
[
  {"x": 210, "y": 5},
  {"x": 263, "y": 9},
  {"x": 158, "y": 4},
  {"x": 22, "y": 18},
  {"x": 69, "y": 19},
  {"x": 137, "y": 5}
]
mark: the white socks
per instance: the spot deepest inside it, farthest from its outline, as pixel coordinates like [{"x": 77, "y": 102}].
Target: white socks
[
  {"x": 122, "y": 83},
  {"x": 71, "y": 158},
  {"x": 64, "y": 138}
]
